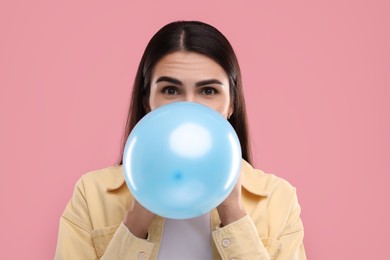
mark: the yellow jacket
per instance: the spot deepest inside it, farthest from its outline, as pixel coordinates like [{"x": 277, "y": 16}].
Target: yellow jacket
[{"x": 91, "y": 226}]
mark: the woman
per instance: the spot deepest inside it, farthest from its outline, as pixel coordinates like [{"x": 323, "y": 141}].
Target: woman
[{"x": 260, "y": 219}]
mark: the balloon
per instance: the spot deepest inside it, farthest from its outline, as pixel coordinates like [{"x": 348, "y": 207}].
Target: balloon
[{"x": 182, "y": 160}]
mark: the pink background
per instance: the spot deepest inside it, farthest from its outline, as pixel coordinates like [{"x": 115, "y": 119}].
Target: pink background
[{"x": 316, "y": 75}]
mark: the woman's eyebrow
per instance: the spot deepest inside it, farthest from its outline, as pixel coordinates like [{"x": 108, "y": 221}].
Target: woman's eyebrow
[
  {"x": 208, "y": 82},
  {"x": 170, "y": 80},
  {"x": 197, "y": 84}
]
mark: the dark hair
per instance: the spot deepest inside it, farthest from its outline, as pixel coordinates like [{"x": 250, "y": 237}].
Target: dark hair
[{"x": 189, "y": 36}]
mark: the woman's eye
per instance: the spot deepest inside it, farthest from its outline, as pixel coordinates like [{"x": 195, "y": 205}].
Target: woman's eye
[
  {"x": 208, "y": 91},
  {"x": 170, "y": 91}
]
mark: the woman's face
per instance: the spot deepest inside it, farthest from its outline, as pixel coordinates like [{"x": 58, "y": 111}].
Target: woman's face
[{"x": 188, "y": 76}]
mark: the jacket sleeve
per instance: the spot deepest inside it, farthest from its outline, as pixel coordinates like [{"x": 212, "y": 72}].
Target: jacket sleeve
[
  {"x": 240, "y": 240},
  {"x": 78, "y": 240},
  {"x": 290, "y": 244}
]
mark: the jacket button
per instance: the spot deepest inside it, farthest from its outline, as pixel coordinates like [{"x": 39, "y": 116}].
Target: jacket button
[
  {"x": 141, "y": 256},
  {"x": 225, "y": 242}
]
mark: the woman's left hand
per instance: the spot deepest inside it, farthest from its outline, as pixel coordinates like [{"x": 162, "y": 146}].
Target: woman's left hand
[{"x": 230, "y": 209}]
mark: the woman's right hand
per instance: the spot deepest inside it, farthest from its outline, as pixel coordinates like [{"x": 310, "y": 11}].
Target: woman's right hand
[{"x": 138, "y": 220}]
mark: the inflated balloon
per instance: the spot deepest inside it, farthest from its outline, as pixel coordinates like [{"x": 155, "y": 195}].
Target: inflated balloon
[{"x": 182, "y": 160}]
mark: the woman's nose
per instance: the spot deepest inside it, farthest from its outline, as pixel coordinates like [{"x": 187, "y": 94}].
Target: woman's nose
[{"x": 189, "y": 97}]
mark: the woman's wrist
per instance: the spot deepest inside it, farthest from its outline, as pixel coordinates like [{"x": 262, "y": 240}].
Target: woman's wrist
[
  {"x": 135, "y": 228},
  {"x": 138, "y": 220},
  {"x": 230, "y": 214}
]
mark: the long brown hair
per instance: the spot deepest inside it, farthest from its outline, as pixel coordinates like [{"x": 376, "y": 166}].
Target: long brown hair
[{"x": 189, "y": 36}]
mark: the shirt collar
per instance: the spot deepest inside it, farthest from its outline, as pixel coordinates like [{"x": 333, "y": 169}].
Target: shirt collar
[{"x": 251, "y": 179}]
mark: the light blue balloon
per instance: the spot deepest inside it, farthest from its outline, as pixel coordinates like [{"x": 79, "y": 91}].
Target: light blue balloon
[{"x": 182, "y": 160}]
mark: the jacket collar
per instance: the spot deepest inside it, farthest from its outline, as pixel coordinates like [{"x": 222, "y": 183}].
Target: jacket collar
[
  {"x": 251, "y": 179},
  {"x": 119, "y": 179}
]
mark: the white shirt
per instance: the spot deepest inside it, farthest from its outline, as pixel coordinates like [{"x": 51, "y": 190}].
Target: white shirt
[{"x": 188, "y": 239}]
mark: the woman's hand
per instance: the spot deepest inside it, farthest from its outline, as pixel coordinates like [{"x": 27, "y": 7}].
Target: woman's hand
[
  {"x": 230, "y": 209},
  {"x": 138, "y": 220}
]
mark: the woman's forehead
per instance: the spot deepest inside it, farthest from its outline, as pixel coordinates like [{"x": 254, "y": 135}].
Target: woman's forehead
[{"x": 188, "y": 64}]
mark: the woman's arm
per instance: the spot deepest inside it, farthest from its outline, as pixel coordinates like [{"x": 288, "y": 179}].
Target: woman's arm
[
  {"x": 238, "y": 237},
  {"x": 138, "y": 220},
  {"x": 77, "y": 238},
  {"x": 290, "y": 244},
  {"x": 231, "y": 209}
]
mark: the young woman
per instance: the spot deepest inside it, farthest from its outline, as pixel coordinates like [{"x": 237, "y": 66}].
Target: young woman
[{"x": 260, "y": 219}]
